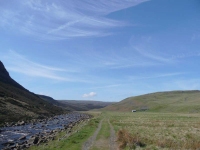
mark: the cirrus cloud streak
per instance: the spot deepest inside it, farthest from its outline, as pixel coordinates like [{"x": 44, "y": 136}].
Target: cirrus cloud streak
[{"x": 56, "y": 20}]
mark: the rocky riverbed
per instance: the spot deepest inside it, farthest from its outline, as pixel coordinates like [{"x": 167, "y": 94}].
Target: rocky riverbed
[{"x": 22, "y": 135}]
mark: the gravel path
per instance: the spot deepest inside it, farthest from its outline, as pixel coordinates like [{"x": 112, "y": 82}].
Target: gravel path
[
  {"x": 113, "y": 144},
  {"x": 91, "y": 140}
]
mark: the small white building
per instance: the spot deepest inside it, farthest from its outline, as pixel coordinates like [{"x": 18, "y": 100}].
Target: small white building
[{"x": 133, "y": 110}]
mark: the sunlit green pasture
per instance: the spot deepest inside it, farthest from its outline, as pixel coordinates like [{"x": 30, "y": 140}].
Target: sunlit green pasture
[
  {"x": 160, "y": 130},
  {"x": 146, "y": 130}
]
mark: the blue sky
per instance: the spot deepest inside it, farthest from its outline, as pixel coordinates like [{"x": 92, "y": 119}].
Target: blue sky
[{"x": 101, "y": 50}]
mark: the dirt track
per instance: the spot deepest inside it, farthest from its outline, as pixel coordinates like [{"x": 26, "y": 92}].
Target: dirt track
[
  {"x": 92, "y": 140},
  {"x": 113, "y": 144}
]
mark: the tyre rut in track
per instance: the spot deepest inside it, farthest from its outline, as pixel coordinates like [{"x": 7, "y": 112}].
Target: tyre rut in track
[
  {"x": 91, "y": 140},
  {"x": 113, "y": 144}
]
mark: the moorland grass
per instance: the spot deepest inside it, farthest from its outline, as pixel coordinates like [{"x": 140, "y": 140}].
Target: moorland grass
[
  {"x": 157, "y": 130},
  {"x": 140, "y": 130}
]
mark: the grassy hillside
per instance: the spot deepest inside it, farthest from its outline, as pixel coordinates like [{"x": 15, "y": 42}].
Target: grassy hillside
[
  {"x": 173, "y": 101},
  {"x": 17, "y": 103}
]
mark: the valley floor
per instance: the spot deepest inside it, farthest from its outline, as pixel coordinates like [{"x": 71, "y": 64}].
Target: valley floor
[
  {"x": 140, "y": 130},
  {"x": 104, "y": 138}
]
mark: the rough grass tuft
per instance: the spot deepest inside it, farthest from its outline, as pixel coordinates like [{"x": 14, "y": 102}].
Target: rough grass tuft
[{"x": 126, "y": 139}]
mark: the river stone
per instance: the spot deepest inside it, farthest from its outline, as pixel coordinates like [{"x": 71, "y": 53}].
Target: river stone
[
  {"x": 33, "y": 140},
  {"x": 8, "y": 144},
  {"x": 22, "y": 138},
  {"x": 22, "y": 123}
]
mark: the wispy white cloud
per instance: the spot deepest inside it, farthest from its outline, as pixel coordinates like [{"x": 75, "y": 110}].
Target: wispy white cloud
[
  {"x": 19, "y": 63},
  {"x": 104, "y": 7},
  {"x": 132, "y": 64},
  {"x": 151, "y": 56},
  {"x": 185, "y": 55},
  {"x": 89, "y": 95},
  {"x": 50, "y": 19},
  {"x": 188, "y": 84},
  {"x": 149, "y": 49},
  {"x": 107, "y": 86},
  {"x": 117, "y": 59},
  {"x": 182, "y": 84},
  {"x": 161, "y": 75}
]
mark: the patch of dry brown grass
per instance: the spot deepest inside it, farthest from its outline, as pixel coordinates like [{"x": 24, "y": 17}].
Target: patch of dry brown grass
[{"x": 126, "y": 139}]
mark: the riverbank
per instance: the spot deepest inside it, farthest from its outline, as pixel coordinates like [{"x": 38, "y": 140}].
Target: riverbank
[
  {"x": 25, "y": 135},
  {"x": 75, "y": 138}
]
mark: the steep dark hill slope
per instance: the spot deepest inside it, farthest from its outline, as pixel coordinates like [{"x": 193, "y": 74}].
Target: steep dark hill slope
[
  {"x": 5, "y": 78},
  {"x": 17, "y": 103},
  {"x": 56, "y": 102},
  {"x": 173, "y": 101},
  {"x": 49, "y": 99}
]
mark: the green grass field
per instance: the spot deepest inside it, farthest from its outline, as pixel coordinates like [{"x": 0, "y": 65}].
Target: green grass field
[
  {"x": 159, "y": 130},
  {"x": 140, "y": 130}
]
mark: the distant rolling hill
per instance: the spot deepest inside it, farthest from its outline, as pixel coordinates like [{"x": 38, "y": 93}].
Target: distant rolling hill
[
  {"x": 85, "y": 105},
  {"x": 56, "y": 102},
  {"x": 172, "y": 101},
  {"x": 76, "y": 105},
  {"x": 17, "y": 103}
]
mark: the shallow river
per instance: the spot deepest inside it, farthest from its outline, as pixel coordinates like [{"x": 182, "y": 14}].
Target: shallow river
[{"x": 19, "y": 134}]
